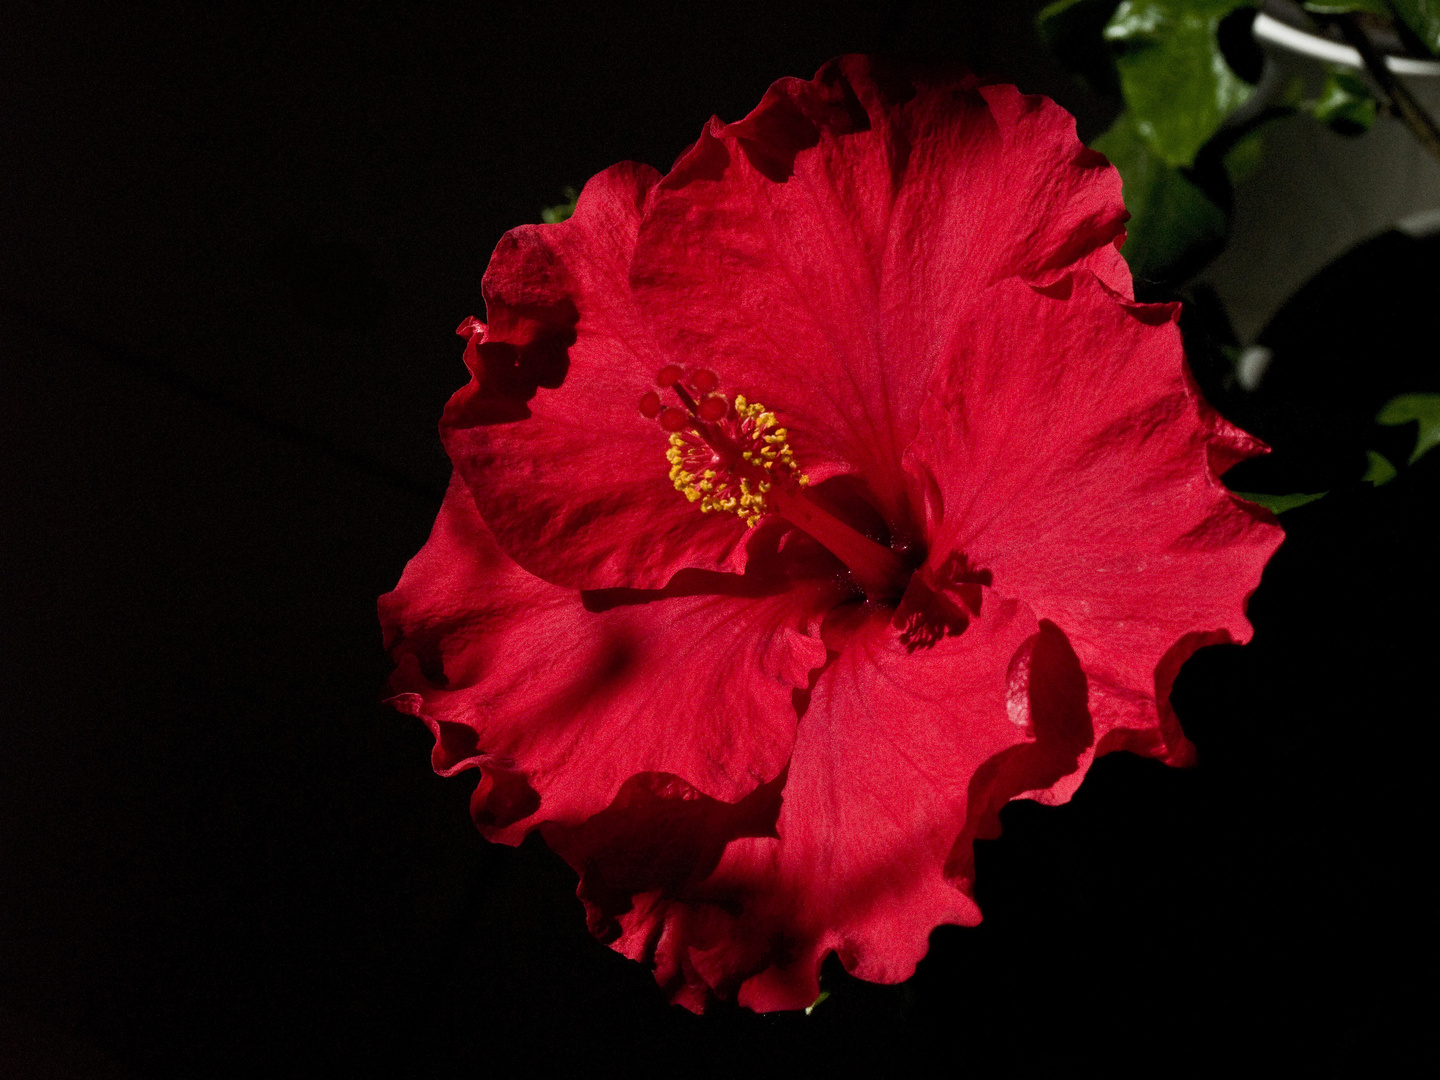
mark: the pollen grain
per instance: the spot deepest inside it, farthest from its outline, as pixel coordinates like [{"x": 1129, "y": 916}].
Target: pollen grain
[{"x": 701, "y": 472}]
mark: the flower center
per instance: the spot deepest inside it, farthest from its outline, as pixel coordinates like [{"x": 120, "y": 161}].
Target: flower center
[
  {"x": 733, "y": 456},
  {"x": 706, "y": 473}
]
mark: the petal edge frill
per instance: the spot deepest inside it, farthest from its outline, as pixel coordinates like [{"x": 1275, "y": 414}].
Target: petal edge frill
[
  {"x": 571, "y": 695},
  {"x": 569, "y": 476},
  {"x": 903, "y": 757},
  {"x": 1087, "y": 488}
]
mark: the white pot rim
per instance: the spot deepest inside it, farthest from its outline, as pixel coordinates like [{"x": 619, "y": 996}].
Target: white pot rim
[{"x": 1277, "y": 33}]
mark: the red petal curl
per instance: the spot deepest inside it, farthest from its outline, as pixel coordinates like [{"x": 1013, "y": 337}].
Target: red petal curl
[
  {"x": 902, "y": 758},
  {"x": 1067, "y": 453},
  {"x": 569, "y": 695},
  {"x": 569, "y": 476},
  {"x": 823, "y": 253}
]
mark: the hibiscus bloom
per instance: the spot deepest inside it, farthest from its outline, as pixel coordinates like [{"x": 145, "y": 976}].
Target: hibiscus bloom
[{"x": 811, "y": 502}]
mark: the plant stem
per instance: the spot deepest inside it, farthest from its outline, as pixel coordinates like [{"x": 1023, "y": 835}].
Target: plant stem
[{"x": 1402, "y": 102}]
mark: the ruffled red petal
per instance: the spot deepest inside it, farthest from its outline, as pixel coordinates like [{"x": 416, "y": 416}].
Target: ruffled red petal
[
  {"x": 569, "y": 475},
  {"x": 561, "y": 697},
  {"x": 904, "y": 756},
  {"x": 1069, "y": 459},
  {"x": 824, "y": 253}
]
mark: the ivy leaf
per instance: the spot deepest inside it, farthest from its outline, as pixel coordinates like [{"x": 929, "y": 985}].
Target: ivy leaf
[
  {"x": 1345, "y": 103},
  {"x": 1423, "y": 17},
  {"x": 1073, "y": 30},
  {"x": 1380, "y": 470},
  {"x": 1173, "y": 224},
  {"x": 1278, "y": 504},
  {"x": 552, "y": 215},
  {"x": 1421, "y": 408},
  {"x": 1175, "y": 79}
]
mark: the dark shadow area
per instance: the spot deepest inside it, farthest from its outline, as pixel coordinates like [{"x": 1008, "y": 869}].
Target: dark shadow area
[
  {"x": 331, "y": 284},
  {"x": 1357, "y": 334}
]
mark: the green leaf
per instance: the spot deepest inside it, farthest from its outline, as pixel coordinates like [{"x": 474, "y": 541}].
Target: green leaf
[
  {"x": 1380, "y": 470},
  {"x": 1173, "y": 223},
  {"x": 1074, "y": 31},
  {"x": 1423, "y": 17},
  {"x": 1345, "y": 103},
  {"x": 1278, "y": 504},
  {"x": 1424, "y": 409},
  {"x": 1292, "y": 94},
  {"x": 1341, "y": 7},
  {"x": 551, "y": 215},
  {"x": 1174, "y": 77},
  {"x": 1242, "y": 159}
]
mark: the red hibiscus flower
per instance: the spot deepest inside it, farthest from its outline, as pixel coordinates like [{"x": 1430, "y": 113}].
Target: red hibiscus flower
[{"x": 810, "y": 503}]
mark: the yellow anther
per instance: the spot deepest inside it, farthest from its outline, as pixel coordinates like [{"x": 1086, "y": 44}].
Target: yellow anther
[{"x": 699, "y": 471}]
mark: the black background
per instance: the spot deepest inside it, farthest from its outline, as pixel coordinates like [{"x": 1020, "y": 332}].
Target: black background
[{"x": 236, "y": 242}]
